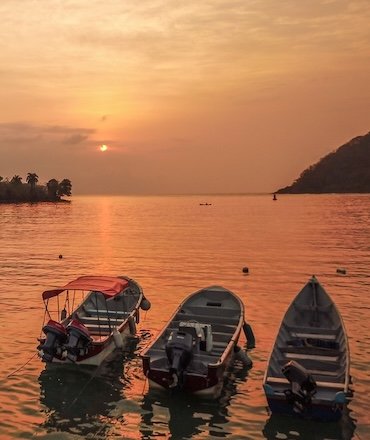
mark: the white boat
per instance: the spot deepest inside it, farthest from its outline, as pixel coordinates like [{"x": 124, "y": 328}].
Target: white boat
[
  {"x": 308, "y": 370},
  {"x": 193, "y": 350},
  {"x": 99, "y": 315}
]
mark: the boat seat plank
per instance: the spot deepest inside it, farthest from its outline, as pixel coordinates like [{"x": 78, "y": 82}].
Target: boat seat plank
[
  {"x": 313, "y": 342},
  {"x": 216, "y": 327},
  {"x": 94, "y": 320},
  {"x": 212, "y": 311},
  {"x": 207, "y": 319},
  {"x": 314, "y": 364},
  {"x": 104, "y": 312},
  {"x": 310, "y": 356},
  {"x": 331, "y": 337},
  {"x": 321, "y": 384},
  {"x": 319, "y": 308},
  {"x": 311, "y": 350},
  {"x": 312, "y": 330},
  {"x": 99, "y": 329}
]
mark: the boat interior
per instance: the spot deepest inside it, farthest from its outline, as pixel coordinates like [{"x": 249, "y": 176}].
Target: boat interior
[
  {"x": 316, "y": 341},
  {"x": 220, "y": 311},
  {"x": 101, "y": 315}
]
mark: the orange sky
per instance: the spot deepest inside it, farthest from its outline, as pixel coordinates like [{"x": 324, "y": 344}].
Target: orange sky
[{"x": 190, "y": 97}]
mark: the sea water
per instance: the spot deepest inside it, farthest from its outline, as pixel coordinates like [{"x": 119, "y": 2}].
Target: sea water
[{"x": 174, "y": 246}]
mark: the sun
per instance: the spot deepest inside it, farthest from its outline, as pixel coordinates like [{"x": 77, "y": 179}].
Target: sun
[{"x": 103, "y": 147}]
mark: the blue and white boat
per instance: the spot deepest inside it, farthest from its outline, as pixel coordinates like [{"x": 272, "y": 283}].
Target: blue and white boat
[{"x": 308, "y": 370}]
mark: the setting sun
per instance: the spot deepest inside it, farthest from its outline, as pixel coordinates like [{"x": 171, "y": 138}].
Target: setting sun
[{"x": 103, "y": 147}]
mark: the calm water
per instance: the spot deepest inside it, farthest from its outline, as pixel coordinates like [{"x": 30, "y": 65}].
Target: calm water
[{"x": 173, "y": 246}]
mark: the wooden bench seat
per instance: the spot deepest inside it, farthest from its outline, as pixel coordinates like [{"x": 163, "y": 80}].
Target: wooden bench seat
[
  {"x": 321, "y": 384},
  {"x": 105, "y": 312}
]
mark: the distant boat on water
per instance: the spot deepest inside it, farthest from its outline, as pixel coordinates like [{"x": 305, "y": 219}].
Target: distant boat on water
[{"x": 205, "y": 204}]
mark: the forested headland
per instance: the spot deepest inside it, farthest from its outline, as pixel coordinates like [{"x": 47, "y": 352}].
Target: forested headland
[
  {"x": 345, "y": 170},
  {"x": 14, "y": 190}
]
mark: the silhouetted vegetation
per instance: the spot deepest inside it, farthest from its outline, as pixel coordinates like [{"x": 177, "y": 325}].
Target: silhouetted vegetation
[
  {"x": 346, "y": 170},
  {"x": 15, "y": 191}
]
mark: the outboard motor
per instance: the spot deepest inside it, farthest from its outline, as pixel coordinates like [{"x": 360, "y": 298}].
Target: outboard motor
[
  {"x": 55, "y": 336},
  {"x": 78, "y": 340},
  {"x": 179, "y": 349},
  {"x": 303, "y": 386}
]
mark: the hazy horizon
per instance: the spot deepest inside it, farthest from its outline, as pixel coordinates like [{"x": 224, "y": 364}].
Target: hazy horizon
[{"x": 217, "y": 97}]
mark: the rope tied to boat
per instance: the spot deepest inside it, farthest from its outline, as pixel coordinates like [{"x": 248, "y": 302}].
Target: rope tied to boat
[{"x": 22, "y": 366}]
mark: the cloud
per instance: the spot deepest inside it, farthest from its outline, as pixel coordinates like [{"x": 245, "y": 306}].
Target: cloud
[
  {"x": 22, "y": 131},
  {"x": 75, "y": 139}
]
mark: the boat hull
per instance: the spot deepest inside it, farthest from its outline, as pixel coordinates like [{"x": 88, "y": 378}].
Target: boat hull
[
  {"x": 207, "y": 386},
  {"x": 214, "y": 317},
  {"x": 329, "y": 412},
  {"x": 308, "y": 370},
  {"x": 99, "y": 352}
]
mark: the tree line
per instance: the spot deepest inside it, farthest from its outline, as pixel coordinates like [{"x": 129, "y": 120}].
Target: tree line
[{"x": 14, "y": 190}]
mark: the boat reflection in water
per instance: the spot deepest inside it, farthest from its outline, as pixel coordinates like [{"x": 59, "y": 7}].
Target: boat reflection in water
[
  {"x": 290, "y": 427},
  {"x": 184, "y": 415},
  {"x": 78, "y": 400}
]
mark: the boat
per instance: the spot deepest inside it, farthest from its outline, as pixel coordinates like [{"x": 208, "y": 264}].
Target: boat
[
  {"x": 199, "y": 341},
  {"x": 308, "y": 369},
  {"x": 104, "y": 319}
]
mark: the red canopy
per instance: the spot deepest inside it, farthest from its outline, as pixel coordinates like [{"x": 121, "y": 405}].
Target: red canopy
[{"x": 108, "y": 286}]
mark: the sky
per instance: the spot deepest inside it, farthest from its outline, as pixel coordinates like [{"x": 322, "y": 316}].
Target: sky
[{"x": 217, "y": 96}]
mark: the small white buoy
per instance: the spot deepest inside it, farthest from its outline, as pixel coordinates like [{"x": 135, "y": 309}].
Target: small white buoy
[
  {"x": 341, "y": 271},
  {"x": 132, "y": 325},
  {"x": 117, "y": 338}
]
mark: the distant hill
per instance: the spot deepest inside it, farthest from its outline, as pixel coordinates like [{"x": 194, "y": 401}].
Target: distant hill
[{"x": 345, "y": 170}]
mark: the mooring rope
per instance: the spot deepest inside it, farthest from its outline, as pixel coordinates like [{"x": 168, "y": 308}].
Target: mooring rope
[{"x": 22, "y": 366}]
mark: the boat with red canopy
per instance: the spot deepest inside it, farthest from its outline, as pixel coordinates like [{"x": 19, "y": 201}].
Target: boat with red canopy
[{"x": 90, "y": 317}]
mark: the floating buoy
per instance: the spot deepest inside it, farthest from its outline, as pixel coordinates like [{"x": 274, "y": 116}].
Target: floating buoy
[
  {"x": 117, "y": 338},
  {"x": 242, "y": 356},
  {"x": 60, "y": 256},
  {"x": 245, "y": 269},
  {"x": 342, "y": 271},
  {"x": 132, "y": 325},
  {"x": 145, "y": 304},
  {"x": 251, "y": 341}
]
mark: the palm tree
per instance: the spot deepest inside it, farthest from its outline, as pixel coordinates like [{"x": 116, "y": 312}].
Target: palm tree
[
  {"x": 52, "y": 187},
  {"x": 32, "y": 179},
  {"x": 65, "y": 188},
  {"x": 16, "y": 180}
]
